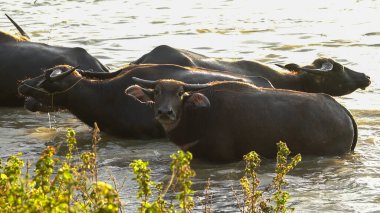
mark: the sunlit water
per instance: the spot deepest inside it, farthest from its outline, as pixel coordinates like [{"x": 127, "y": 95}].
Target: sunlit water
[{"x": 120, "y": 31}]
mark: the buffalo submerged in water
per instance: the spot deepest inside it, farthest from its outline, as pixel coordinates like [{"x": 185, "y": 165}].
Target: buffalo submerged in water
[
  {"x": 21, "y": 58},
  {"x": 324, "y": 75},
  {"x": 99, "y": 97},
  {"x": 222, "y": 121}
]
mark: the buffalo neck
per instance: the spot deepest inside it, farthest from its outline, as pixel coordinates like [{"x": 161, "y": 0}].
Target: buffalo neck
[
  {"x": 284, "y": 80},
  {"x": 279, "y": 79},
  {"x": 91, "y": 98},
  {"x": 189, "y": 128},
  {"x": 104, "y": 102}
]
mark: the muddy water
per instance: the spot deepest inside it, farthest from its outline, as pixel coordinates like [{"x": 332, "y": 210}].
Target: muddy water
[{"x": 119, "y": 31}]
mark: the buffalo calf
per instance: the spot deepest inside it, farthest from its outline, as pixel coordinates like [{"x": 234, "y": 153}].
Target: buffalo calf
[{"x": 222, "y": 121}]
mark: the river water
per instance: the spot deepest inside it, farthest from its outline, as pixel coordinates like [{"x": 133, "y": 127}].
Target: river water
[{"x": 120, "y": 31}]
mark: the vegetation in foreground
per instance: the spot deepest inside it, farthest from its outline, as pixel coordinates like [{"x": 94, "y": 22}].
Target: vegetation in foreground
[{"x": 71, "y": 184}]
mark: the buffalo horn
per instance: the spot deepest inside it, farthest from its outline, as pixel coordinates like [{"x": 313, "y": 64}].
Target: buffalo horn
[
  {"x": 192, "y": 87},
  {"x": 281, "y": 66},
  {"x": 22, "y": 32},
  {"x": 290, "y": 67},
  {"x": 64, "y": 74},
  {"x": 99, "y": 75},
  {"x": 326, "y": 67},
  {"x": 144, "y": 83}
]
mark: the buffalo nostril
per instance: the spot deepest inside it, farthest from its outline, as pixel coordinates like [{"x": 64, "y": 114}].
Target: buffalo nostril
[{"x": 167, "y": 112}]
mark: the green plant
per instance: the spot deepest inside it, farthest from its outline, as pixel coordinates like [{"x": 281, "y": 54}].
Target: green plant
[
  {"x": 71, "y": 184},
  {"x": 181, "y": 169},
  {"x": 283, "y": 168},
  {"x": 254, "y": 200},
  {"x": 181, "y": 174},
  {"x": 64, "y": 185},
  {"x": 142, "y": 173}
]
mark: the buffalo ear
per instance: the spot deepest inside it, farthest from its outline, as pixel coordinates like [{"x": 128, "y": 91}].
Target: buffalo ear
[
  {"x": 141, "y": 94},
  {"x": 197, "y": 100}
]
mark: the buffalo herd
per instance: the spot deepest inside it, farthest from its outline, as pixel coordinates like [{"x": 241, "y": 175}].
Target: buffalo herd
[
  {"x": 216, "y": 108},
  {"x": 99, "y": 98}
]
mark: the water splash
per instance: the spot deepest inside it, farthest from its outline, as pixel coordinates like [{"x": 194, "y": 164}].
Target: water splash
[{"x": 49, "y": 120}]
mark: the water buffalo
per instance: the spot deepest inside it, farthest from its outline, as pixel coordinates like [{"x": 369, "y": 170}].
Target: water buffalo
[
  {"x": 222, "y": 121},
  {"x": 20, "y": 58},
  {"x": 99, "y": 97},
  {"x": 323, "y": 75}
]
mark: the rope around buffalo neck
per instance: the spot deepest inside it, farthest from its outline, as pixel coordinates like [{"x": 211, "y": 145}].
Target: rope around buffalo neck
[{"x": 54, "y": 93}]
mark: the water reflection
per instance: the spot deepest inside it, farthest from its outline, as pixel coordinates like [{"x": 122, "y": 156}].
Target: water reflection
[{"x": 120, "y": 31}]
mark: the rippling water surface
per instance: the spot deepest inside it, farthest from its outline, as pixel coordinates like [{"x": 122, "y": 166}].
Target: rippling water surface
[{"x": 120, "y": 31}]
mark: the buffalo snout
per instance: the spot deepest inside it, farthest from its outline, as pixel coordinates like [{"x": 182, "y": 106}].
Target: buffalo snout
[
  {"x": 361, "y": 80},
  {"x": 34, "y": 105},
  {"x": 166, "y": 114},
  {"x": 365, "y": 82}
]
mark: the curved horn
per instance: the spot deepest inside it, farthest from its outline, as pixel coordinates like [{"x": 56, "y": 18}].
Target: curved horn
[
  {"x": 62, "y": 75},
  {"x": 290, "y": 67},
  {"x": 144, "y": 83},
  {"x": 314, "y": 71},
  {"x": 192, "y": 87},
  {"x": 99, "y": 75},
  {"x": 281, "y": 66},
  {"x": 22, "y": 32},
  {"x": 326, "y": 67}
]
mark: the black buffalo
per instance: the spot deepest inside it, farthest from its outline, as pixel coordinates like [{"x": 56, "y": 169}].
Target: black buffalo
[
  {"x": 223, "y": 121},
  {"x": 99, "y": 97},
  {"x": 324, "y": 75},
  {"x": 21, "y": 58}
]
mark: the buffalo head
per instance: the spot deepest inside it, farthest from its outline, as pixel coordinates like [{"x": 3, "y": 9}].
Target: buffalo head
[
  {"x": 330, "y": 77},
  {"x": 48, "y": 88},
  {"x": 168, "y": 97},
  {"x": 39, "y": 83}
]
